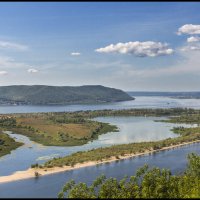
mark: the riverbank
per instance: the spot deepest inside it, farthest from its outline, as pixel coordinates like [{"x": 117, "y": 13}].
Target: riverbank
[
  {"x": 74, "y": 128},
  {"x": 7, "y": 144},
  {"x": 30, "y": 173}
]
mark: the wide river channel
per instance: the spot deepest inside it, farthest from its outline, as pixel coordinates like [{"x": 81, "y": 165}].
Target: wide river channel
[{"x": 131, "y": 129}]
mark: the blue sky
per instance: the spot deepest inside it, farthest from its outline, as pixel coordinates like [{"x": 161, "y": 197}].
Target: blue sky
[{"x": 148, "y": 46}]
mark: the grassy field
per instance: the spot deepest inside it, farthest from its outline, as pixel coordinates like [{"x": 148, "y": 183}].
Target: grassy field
[
  {"x": 44, "y": 129},
  {"x": 7, "y": 144},
  {"x": 77, "y": 128},
  {"x": 100, "y": 154}
]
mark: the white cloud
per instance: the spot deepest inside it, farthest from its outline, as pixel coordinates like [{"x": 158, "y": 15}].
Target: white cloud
[
  {"x": 193, "y": 44},
  {"x": 32, "y": 70},
  {"x": 182, "y": 75},
  {"x": 75, "y": 54},
  {"x": 189, "y": 29},
  {"x": 191, "y": 48},
  {"x": 193, "y": 39},
  {"x": 13, "y": 46},
  {"x": 195, "y": 47},
  {"x": 140, "y": 49},
  {"x": 189, "y": 64},
  {"x": 3, "y": 73}
]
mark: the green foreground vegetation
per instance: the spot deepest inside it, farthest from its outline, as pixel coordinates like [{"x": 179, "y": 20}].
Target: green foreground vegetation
[
  {"x": 146, "y": 183},
  {"x": 7, "y": 144}
]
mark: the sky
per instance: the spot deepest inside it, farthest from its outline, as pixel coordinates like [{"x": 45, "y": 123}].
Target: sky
[{"x": 133, "y": 46}]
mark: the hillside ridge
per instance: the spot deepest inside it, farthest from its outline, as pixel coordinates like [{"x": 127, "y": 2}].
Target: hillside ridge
[{"x": 46, "y": 94}]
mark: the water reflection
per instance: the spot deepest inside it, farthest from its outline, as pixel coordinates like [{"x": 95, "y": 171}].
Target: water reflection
[
  {"x": 138, "y": 129},
  {"x": 132, "y": 129}
]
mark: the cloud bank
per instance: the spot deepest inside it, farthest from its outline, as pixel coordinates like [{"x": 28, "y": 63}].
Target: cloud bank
[
  {"x": 189, "y": 29},
  {"x": 75, "y": 54},
  {"x": 139, "y": 49},
  {"x": 193, "y": 42},
  {"x": 32, "y": 70},
  {"x": 193, "y": 39}
]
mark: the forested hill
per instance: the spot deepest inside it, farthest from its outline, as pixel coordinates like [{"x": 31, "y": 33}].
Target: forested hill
[{"x": 42, "y": 94}]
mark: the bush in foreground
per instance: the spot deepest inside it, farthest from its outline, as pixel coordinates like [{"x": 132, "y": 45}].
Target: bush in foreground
[{"x": 147, "y": 183}]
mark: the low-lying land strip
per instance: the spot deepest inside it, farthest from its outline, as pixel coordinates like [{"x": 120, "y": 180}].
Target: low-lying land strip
[
  {"x": 100, "y": 155},
  {"x": 118, "y": 151},
  {"x": 77, "y": 128},
  {"x": 52, "y": 129},
  {"x": 7, "y": 144},
  {"x": 72, "y": 128},
  {"x": 38, "y": 170}
]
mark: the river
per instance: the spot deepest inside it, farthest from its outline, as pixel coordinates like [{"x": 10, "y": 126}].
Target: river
[
  {"x": 131, "y": 129},
  {"x": 139, "y": 102},
  {"x": 49, "y": 186}
]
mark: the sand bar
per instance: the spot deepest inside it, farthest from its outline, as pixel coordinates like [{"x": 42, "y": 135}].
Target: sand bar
[{"x": 30, "y": 173}]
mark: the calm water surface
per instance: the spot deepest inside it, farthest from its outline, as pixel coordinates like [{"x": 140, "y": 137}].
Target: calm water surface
[
  {"x": 139, "y": 102},
  {"x": 131, "y": 129},
  {"x": 49, "y": 186}
]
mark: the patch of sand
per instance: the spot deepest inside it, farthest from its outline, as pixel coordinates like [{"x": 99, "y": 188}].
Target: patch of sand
[{"x": 30, "y": 173}]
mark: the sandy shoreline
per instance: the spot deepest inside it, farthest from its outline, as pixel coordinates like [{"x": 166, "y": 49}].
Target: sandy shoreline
[{"x": 30, "y": 173}]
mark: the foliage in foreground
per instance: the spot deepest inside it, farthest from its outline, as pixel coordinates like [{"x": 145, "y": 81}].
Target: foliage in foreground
[{"x": 146, "y": 183}]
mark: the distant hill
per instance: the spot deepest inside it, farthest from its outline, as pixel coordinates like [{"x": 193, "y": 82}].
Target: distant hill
[{"x": 43, "y": 95}]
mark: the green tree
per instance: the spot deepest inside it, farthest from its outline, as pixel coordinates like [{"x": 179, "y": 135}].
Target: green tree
[{"x": 147, "y": 183}]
